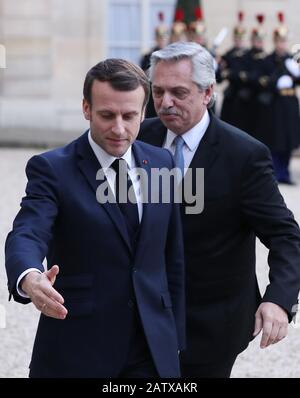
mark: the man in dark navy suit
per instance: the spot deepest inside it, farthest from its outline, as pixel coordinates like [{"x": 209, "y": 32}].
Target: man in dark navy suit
[
  {"x": 112, "y": 299},
  {"x": 241, "y": 202}
]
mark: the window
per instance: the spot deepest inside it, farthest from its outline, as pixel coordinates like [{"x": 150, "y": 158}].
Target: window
[{"x": 131, "y": 24}]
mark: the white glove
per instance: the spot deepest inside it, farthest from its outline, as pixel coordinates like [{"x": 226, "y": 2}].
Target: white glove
[
  {"x": 292, "y": 66},
  {"x": 284, "y": 81}
]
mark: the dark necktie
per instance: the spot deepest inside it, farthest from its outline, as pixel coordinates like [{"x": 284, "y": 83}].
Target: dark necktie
[{"x": 122, "y": 186}]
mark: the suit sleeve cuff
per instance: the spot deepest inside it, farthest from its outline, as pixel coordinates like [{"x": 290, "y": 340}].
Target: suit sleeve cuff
[{"x": 19, "y": 290}]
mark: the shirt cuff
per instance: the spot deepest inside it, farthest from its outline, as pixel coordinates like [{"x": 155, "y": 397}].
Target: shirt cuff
[{"x": 19, "y": 290}]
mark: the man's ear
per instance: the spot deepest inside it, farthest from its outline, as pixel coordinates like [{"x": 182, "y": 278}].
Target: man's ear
[
  {"x": 143, "y": 114},
  {"x": 86, "y": 109},
  {"x": 208, "y": 94}
]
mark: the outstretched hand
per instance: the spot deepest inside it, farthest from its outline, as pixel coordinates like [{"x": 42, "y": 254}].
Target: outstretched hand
[{"x": 39, "y": 288}]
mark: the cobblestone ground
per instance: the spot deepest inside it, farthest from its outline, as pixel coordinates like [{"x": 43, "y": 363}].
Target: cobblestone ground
[{"x": 16, "y": 339}]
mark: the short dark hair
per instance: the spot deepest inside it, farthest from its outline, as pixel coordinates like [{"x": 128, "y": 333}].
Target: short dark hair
[{"x": 122, "y": 75}]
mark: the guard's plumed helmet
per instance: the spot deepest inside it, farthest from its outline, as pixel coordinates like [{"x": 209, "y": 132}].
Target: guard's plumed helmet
[{"x": 281, "y": 32}]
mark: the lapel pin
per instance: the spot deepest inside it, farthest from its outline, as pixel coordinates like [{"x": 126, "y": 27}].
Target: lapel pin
[{"x": 145, "y": 161}]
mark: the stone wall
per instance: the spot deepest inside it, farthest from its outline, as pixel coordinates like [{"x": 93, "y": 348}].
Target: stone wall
[{"x": 50, "y": 45}]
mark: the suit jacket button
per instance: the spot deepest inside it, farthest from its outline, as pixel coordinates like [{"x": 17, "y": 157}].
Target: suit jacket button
[
  {"x": 134, "y": 270},
  {"x": 130, "y": 303}
]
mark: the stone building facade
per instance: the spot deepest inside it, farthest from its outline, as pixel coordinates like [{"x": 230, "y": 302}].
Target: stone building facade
[{"x": 47, "y": 47}]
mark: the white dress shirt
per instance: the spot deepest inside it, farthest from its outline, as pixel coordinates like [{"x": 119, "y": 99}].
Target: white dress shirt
[
  {"x": 105, "y": 161},
  {"x": 192, "y": 139}
]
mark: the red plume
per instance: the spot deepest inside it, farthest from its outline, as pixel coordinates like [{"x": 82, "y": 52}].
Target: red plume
[
  {"x": 198, "y": 13},
  {"x": 179, "y": 15},
  {"x": 280, "y": 16},
  {"x": 241, "y": 16},
  {"x": 260, "y": 18}
]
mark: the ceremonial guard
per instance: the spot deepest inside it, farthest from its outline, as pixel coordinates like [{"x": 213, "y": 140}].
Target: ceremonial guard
[
  {"x": 230, "y": 66},
  {"x": 179, "y": 28},
  {"x": 248, "y": 79},
  {"x": 278, "y": 118},
  {"x": 197, "y": 29},
  {"x": 161, "y": 40}
]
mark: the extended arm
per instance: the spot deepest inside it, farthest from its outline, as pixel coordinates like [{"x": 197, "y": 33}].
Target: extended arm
[{"x": 27, "y": 244}]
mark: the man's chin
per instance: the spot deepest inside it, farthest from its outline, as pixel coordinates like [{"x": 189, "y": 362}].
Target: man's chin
[
  {"x": 117, "y": 149},
  {"x": 117, "y": 153},
  {"x": 169, "y": 122}
]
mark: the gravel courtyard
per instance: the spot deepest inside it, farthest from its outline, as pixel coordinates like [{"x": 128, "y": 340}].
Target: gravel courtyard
[{"x": 17, "y": 328}]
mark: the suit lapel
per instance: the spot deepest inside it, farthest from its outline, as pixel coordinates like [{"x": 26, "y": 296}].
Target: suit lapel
[
  {"x": 207, "y": 150},
  {"x": 204, "y": 157},
  {"x": 89, "y": 165},
  {"x": 158, "y": 134}
]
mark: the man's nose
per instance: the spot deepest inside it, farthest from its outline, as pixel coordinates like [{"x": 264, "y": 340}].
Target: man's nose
[
  {"x": 167, "y": 101},
  {"x": 118, "y": 127}
]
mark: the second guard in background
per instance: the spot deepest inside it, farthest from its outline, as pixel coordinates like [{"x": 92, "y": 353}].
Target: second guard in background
[
  {"x": 230, "y": 66},
  {"x": 278, "y": 118},
  {"x": 197, "y": 29},
  {"x": 179, "y": 28},
  {"x": 197, "y": 34},
  {"x": 248, "y": 79},
  {"x": 161, "y": 40}
]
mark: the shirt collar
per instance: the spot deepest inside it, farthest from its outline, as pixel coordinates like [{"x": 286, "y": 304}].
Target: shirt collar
[
  {"x": 105, "y": 159},
  {"x": 193, "y": 136}
]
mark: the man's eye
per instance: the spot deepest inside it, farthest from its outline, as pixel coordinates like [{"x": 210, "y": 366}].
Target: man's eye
[
  {"x": 180, "y": 94},
  {"x": 128, "y": 117},
  {"x": 157, "y": 93},
  {"x": 106, "y": 116}
]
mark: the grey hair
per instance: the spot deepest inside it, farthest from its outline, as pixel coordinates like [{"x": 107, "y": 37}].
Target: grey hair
[{"x": 203, "y": 63}]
